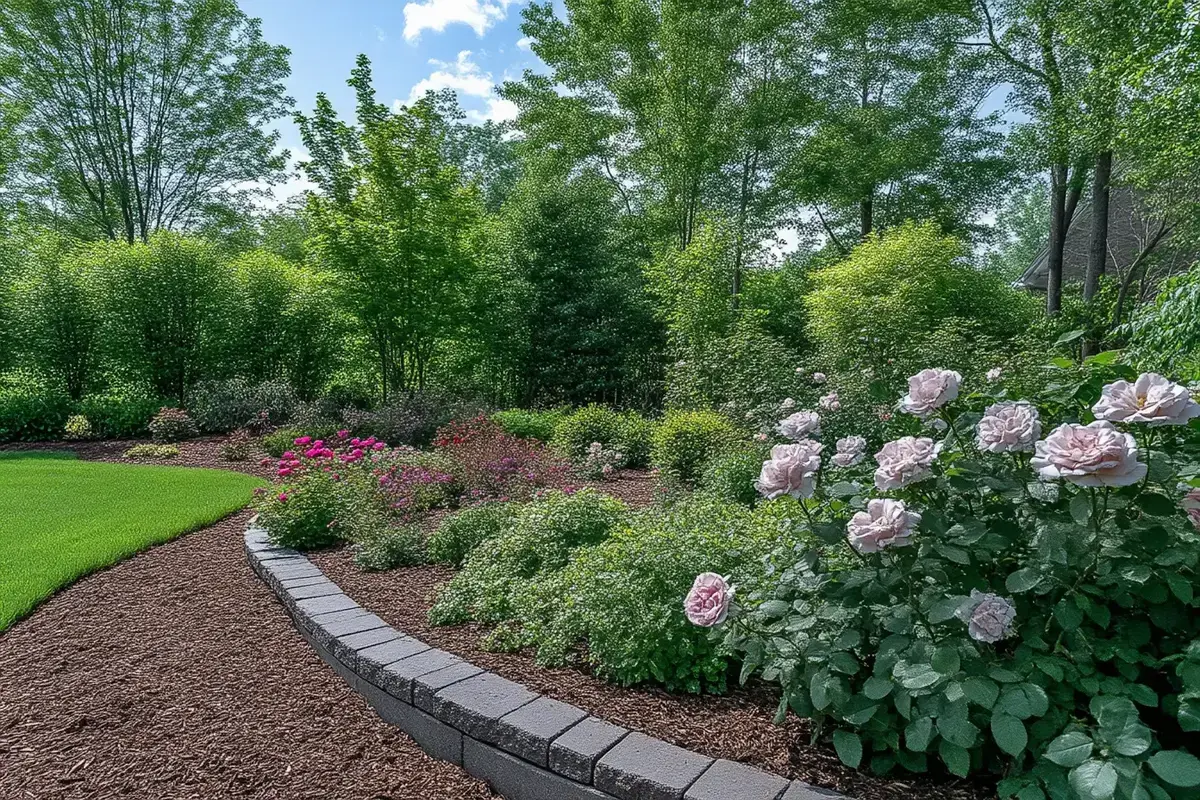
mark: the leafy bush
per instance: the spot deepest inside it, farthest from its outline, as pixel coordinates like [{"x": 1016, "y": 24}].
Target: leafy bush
[
  {"x": 414, "y": 483},
  {"x": 307, "y": 513},
  {"x": 413, "y": 420},
  {"x": 685, "y": 441},
  {"x": 120, "y": 413},
  {"x": 238, "y": 446},
  {"x": 496, "y": 464},
  {"x": 622, "y": 596},
  {"x": 601, "y": 463},
  {"x": 635, "y": 436},
  {"x": 964, "y": 612},
  {"x": 151, "y": 451},
  {"x": 460, "y": 533},
  {"x": 540, "y": 541},
  {"x": 577, "y": 430},
  {"x": 77, "y": 428},
  {"x": 220, "y": 406},
  {"x": 172, "y": 425},
  {"x": 730, "y": 476},
  {"x": 525, "y": 424},
  {"x": 30, "y": 412},
  {"x": 277, "y": 442},
  {"x": 390, "y": 547}
]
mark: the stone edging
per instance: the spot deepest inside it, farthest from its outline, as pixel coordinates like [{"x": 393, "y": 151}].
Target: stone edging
[{"x": 524, "y": 745}]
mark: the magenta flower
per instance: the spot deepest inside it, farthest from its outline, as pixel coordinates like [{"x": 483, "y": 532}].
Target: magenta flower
[
  {"x": 288, "y": 455},
  {"x": 378, "y": 446},
  {"x": 283, "y": 497},
  {"x": 343, "y": 433},
  {"x": 284, "y": 472},
  {"x": 302, "y": 440}
]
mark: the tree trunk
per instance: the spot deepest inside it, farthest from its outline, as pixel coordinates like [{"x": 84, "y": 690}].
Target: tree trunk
[
  {"x": 1058, "y": 238},
  {"x": 1098, "y": 250},
  {"x": 867, "y": 209},
  {"x": 1142, "y": 261}
]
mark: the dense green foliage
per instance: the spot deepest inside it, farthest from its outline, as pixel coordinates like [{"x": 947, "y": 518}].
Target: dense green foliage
[
  {"x": 685, "y": 441},
  {"x": 460, "y": 533}
]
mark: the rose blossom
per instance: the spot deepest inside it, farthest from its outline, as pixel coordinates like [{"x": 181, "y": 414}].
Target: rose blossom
[
  {"x": 707, "y": 604},
  {"x": 830, "y": 402},
  {"x": 1191, "y": 504},
  {"x": 1009, "y": 427},
  {"x": 989, "y": 617},
  {"x": 929, "y": 390},
  {"x": 1089, "y": 455},
  {"x": 885, "y": 523},
  {"x": 1151, "y": 399},
  {"x": 791, "y": 469},
  {"x": 787, "y": 404},
  {"x": 819, "y": 377},
  {"x": 994, "y": 374},
  {"x": 800, "y": 424},
  {"x": 850, "y": 451},
  {"x": 904, "y": 461}
]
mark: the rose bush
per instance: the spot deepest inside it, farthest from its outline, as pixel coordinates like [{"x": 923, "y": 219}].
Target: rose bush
[{"x": 997, "y": 601}]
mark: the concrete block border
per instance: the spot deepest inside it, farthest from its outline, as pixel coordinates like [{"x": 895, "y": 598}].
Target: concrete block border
[{"x": 524, "y": 745}]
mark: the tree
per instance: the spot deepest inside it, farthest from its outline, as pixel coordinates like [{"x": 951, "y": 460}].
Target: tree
[
  {"x": 141, "y": 114},
  {"x": 390, "y": 223}
]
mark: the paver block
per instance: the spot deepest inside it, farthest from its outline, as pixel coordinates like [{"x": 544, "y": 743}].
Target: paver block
[
  {"x": 517, "y": 780},
  {"x": 286, "y": 586},
  {"x": 643, "y": 768},
  {"x": 345, "y": 648},
  {"x": 372, "y": 660},
  {"x": 397, "y": 677},
  {"x": 435, "y": 737},
  {"x": 344, "y": 672},
  {"x": 475, "y": 705},
  {"x": 327, "y": 630},
  {"x": 315, "y": 606},
  {"x": 725, "y": 780},
  {"x": 425, "y": 686},
  {"x": 799, "y": 790},
  {"x": 576, "y": 752},
  {"x": 315, "y": 589},
  {"x": 528, "y": 731}
]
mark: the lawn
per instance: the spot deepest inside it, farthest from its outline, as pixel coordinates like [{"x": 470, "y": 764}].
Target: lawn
[{"x": 61, "y": 518}]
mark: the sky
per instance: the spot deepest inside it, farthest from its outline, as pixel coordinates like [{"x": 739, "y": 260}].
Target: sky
[{"x": 414, "y": 45}]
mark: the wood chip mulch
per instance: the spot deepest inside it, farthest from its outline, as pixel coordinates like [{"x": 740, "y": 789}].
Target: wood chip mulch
[
  {"x": 738, "y": 726},
  {"x": 176, "y": 674}
]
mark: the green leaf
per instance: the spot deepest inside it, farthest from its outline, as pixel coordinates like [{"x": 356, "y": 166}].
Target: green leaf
[
  {"x": 946, "y": 661},
  {"x": 1133, "y": 740},
  {"x": 1009, "y": 733},
  {"x": 1156, "y": 505},
  {"x": 1094, "y": 780},
  {"x": 1068, "y": 337},
  {"x": 1081, "y": 509},
  {"x": 1070, "y": 749},
  {"x": 1068, "y": 614},
  {"x": 918, "y": 734},
  {"x": 915, "y": 676},
  {"x": 844, "y": 489},
  {"x": 849, "y": 748},
  {"x": 955, "y": 554},
  {"x": 1180, "y": 587},
  {"x": 958, "y": 729},
  {"x": 1189, "y": 715},
  {"x": 1023, "y": 580},
  {"x": 956, "y": 758},
  {"x": 1176, "y": 767},
  {"x": 877, "y": 688},
  {"x": 981, "y": 691},
  {"x": 843, "y": 662},
  {"x": 1024, "y": 700},
  {"x": 773, "y": 609},
  {"x": 1105, "y": 358},
  {"x": 945, "y": 609}
]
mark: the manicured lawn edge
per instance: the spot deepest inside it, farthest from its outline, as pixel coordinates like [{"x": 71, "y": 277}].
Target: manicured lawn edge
[{"x": 524, "y": 745}]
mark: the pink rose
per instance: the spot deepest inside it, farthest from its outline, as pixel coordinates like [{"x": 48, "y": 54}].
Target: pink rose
[
  {"x": 850, "y": 451},
  {"x": 994, "y": 374},
  {"x": 1191, "y": 504},
  {"x": 830, "y": 402},
  {"x": 819, "y": 377},
  {"x": 1009, "y": 427},
  {"x": 288, "y": 455},
  {"x": 885, "y": 523},
  {"x": 707, "y": 604},
  {"x": 904, "y": 461},
  {"x": 343, "y": 433},
  {"x": 1089, "y": 455},
  {"x": 800, "y": 425},
  {"x": 302, "y": 440},
  {"x": 283, "y": 497},
  {"x": 791, "y": 469},
  {"x": 989, "y": 617},
  {"x": 929, "y": 390},
  {"x": 1151, "y": 399}
]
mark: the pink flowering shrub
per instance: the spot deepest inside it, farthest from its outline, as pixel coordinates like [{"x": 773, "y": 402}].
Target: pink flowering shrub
[{"x": 1013, "y": 591}]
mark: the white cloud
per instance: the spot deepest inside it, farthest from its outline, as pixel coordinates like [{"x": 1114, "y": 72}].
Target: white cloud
[
  {"x": 525, "y": 43},
  {"x": 380, "y": 34},
  {"x": 498, "y": 110},
  {"x": 435, "y": 15},
  {"x": 470, "y": 80}
]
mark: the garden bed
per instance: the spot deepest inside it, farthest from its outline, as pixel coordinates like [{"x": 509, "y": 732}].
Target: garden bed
[{"x": 737, "y": 726}]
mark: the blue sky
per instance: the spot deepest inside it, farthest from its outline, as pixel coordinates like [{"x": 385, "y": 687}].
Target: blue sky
[{"x": 467, "y": 45}]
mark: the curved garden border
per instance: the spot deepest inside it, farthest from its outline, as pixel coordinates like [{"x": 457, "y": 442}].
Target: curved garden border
[{"x": 525, "y": 745}]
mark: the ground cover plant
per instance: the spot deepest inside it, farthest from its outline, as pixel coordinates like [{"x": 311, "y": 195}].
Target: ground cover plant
[{"x": 65, "y": 518}]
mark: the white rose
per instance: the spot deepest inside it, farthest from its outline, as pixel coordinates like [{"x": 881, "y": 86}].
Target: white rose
[
  {"x": 800, "y": 425},
  {"x": 819, "y": 377},
  {"x": 791, "y": 469},
  {"x": 929, "y": 390},
  {"x": 787, "y": 404},
  {"x": 904, "y": 461},
  {"x": 1089, "y": 455},
  {"x": 885, "y": 523},
  {"x": 830, "y": 402},
  {"x": 1151, "y": 399},
  {"x": 1009, "y": 427},
  {"x": 850, "y": 451},
  {"x": 994, "y": 374}
]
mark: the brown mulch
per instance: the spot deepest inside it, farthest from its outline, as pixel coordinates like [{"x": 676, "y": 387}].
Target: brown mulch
[
  {"x": 176, "y": 674},
  {"x": 738, "y": 726},
  {"x": 202, "y": 452}
]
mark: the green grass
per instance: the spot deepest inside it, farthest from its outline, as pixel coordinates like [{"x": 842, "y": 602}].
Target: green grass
[{"x": 61, "y": 518}]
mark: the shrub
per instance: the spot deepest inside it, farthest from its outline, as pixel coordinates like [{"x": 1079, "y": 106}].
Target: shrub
[
  {"x": 77, "y": 428},
  {"x": 460, "y": 533},
  {"x": 220, "y": 406},
  {"x": 414, "y": 420},
  {"x": 120, "y": 413},
  {"x": 280, "y": 441},
  {"x": 601, "y": 463},
  {"x": 238, "y": 447},
  {"x": 730, "y": 476},
  {"x": 151, "y": 451},
  {"x": 1033, "y": 618},
  {"x": 414, "y": 483},
  {"x": 390, "y": 547},
  {"x": 29, "y": 411},
  {"x": 172, "y": 425},
  {"x": 525, "y": 424},
  {"x": 545, "y": 533},
  {"x": 592, "y": 423},
  {"x": 685, "y": 441},
  {"x": 622, "y": 596},
  {"x": 635, "y": 435},
  {"x": 495, "y": 464}
]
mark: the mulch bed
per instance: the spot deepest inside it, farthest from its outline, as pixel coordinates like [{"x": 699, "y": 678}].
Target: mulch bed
[
  {"x": 176, "y": 674},
  {"x": 738, "y": 726},
  {"x": 202, "y": 452}
]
